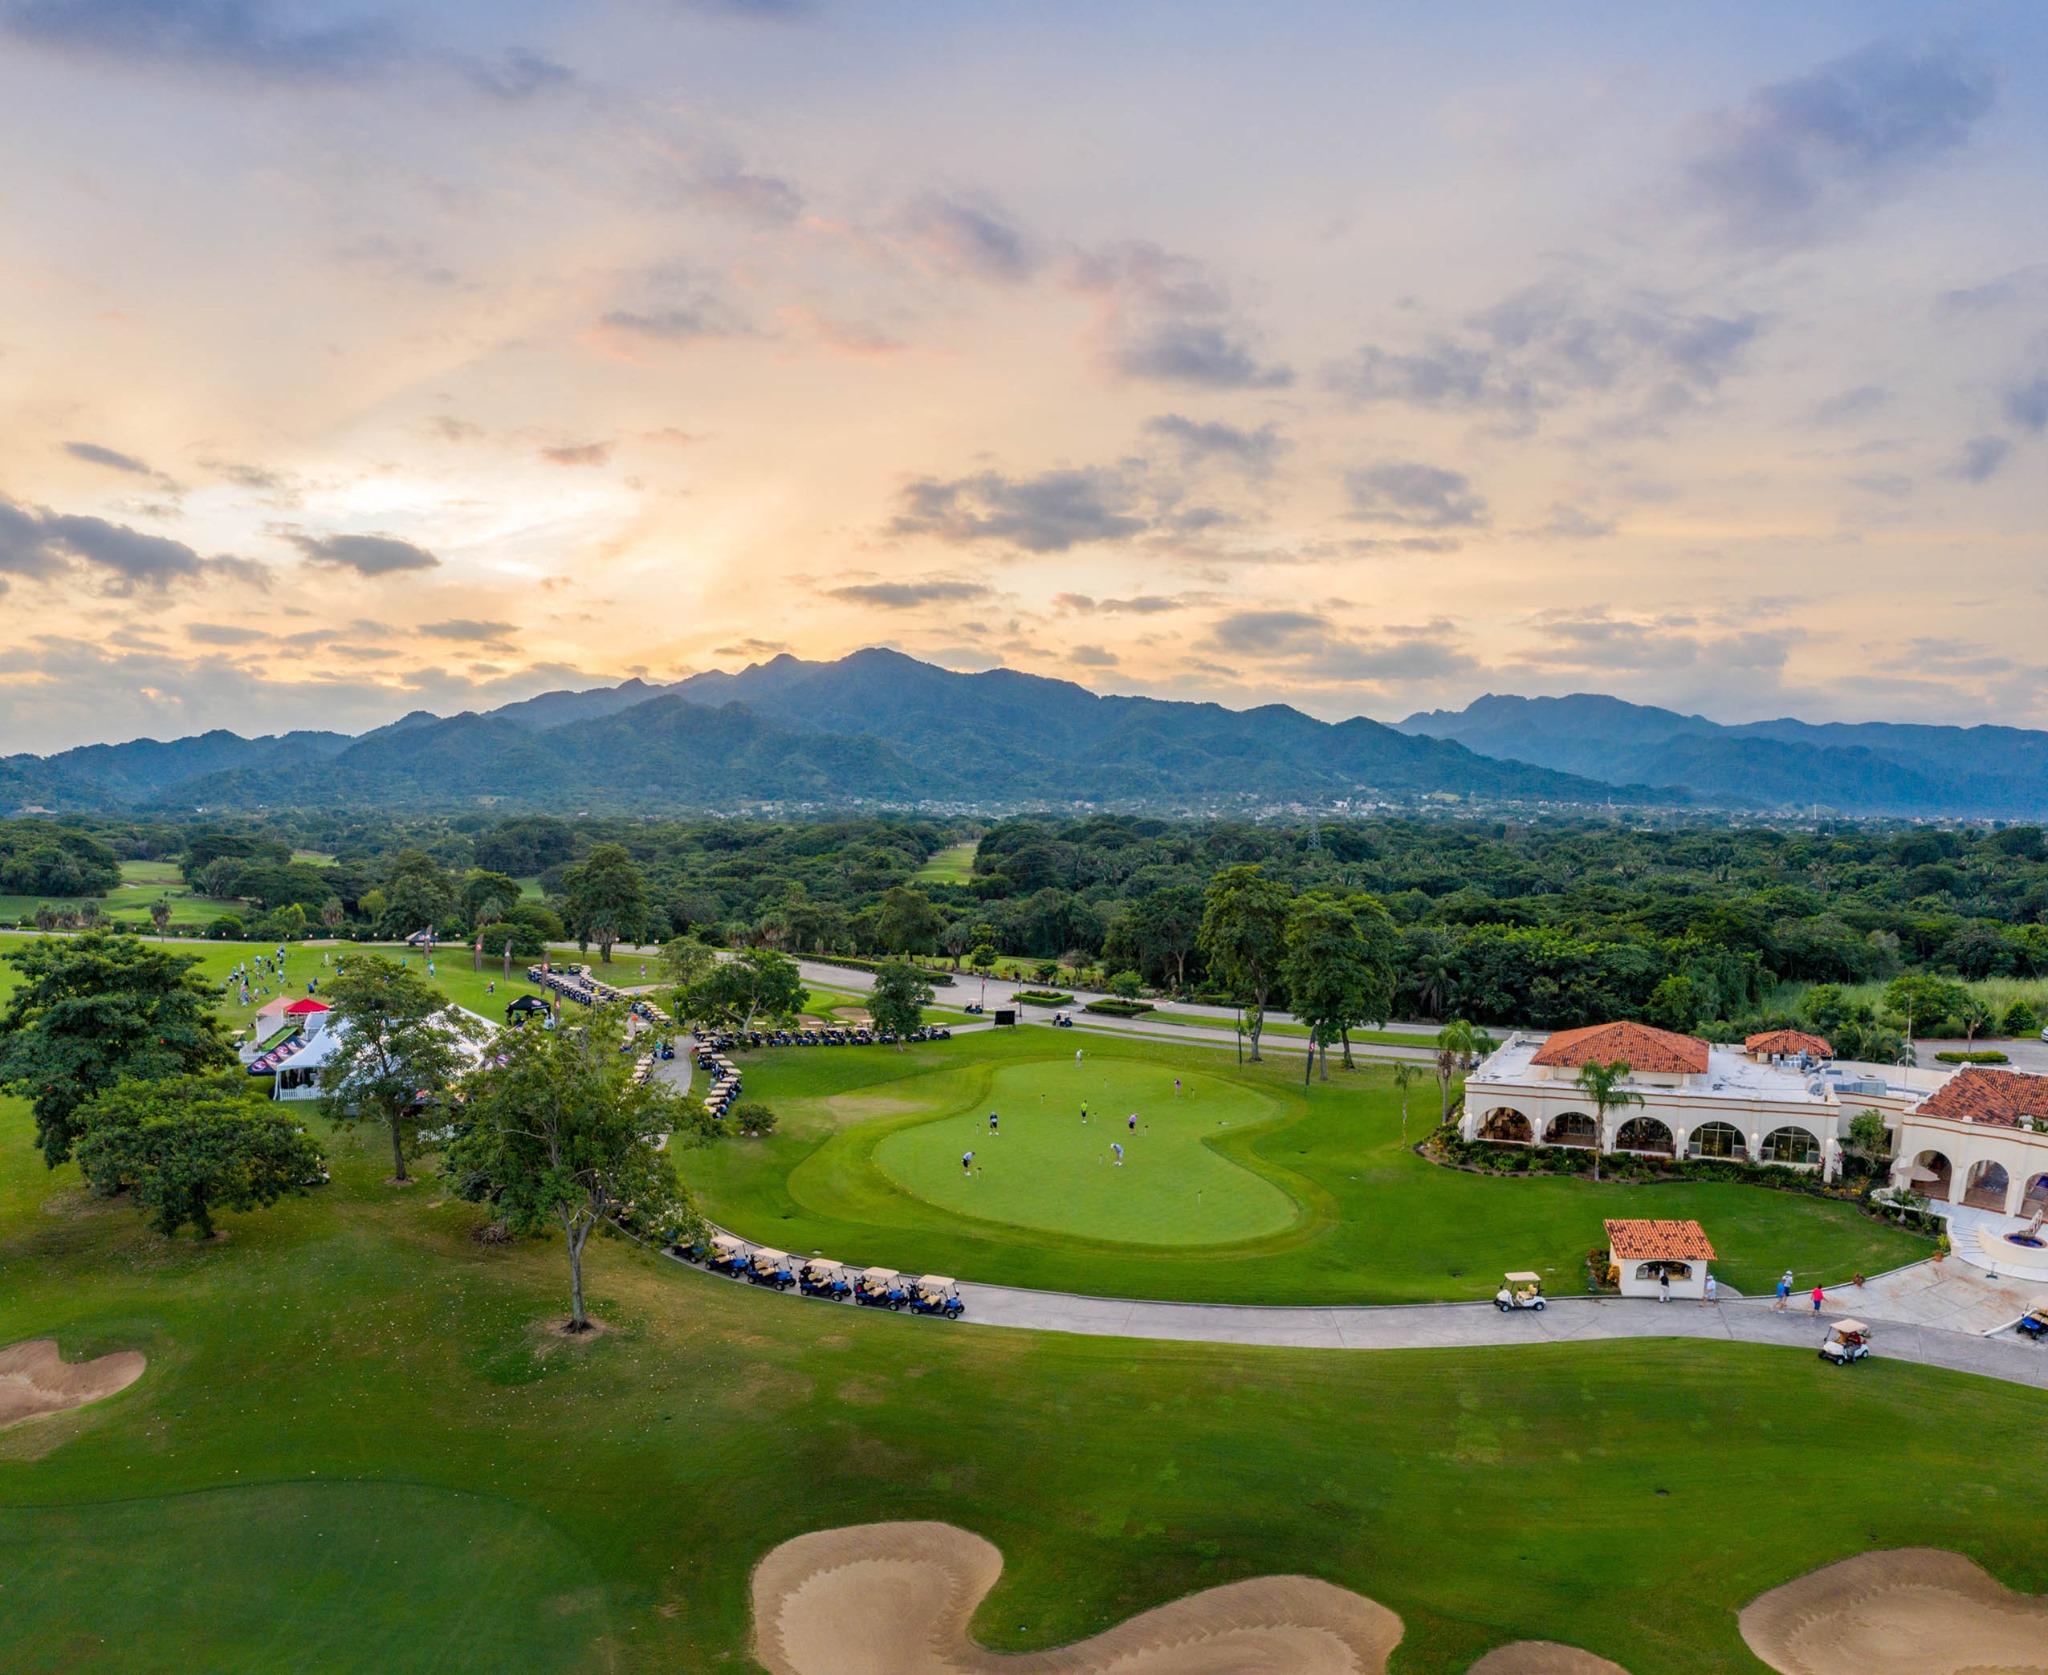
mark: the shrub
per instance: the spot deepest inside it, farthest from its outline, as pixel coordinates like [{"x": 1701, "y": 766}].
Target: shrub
[
  {"x": 2021, "y": 1019},
  {"x": 1044, "y": 997},
  {"x": 750, "y": 1116},
  {"x": 227, "y": 928},
  {"x": 1118, "y": 1008},
  {"x": 1981, "y": 1055},
  {"x": 525, "y": 940},
  {"x": 1125, "y": 985}
]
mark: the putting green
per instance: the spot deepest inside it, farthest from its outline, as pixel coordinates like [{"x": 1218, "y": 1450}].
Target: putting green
[{"x": 1048, "y": 1170}]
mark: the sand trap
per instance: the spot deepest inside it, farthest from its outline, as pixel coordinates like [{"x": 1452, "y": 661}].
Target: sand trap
[
  {"x": 1912, "y": 1611},
  {"x": 1543, "y": 1657},
  {"x": 895, "y": 1599},
  {"x": 34, "y": 1379}
]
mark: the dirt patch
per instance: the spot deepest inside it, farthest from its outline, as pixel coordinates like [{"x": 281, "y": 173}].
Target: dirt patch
[
  {"x": 888, "y": 1599},
  {"x": 1910, "y": 1611},
  {"x": 35, "y": 1379},
  {"x": 1543, "y": 1657},
  {"x": 553, "y": 1332}
]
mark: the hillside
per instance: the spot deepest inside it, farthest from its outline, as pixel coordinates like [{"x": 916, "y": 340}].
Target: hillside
[{"x": 1866, "y": 768}]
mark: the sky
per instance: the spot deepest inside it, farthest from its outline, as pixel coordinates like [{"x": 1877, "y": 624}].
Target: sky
[{"x": 357, "y": 358}]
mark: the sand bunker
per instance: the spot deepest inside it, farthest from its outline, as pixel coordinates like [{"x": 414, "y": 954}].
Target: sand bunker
[
  {"x": 1912, "y": 1611},
  {"x": 895, "y": 1599},
  {"x": 34, "y": 1379},
  {"x": 1543, "y": 1657}
]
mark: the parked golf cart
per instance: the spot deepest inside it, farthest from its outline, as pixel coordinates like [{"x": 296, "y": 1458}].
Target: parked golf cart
[
  {"x": 936, "y": 1294},
  {"x": 1521, "y": 1290},
  {"x": 880, "y": 1288},
  {"x": 1848, "y": 1340},
  {"x": 822, "y": 1277},
  {"x": 2034, "y": 1323},
  {"x": 772, "y": 1267},
  {"x": 728, "y": 1255},
  {"x": 1059, "y": 1020}
]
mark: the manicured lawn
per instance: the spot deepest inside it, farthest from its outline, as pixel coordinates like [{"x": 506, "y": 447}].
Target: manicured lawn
[
  {"x": 354, "y": 1451},
  {"x": 949, "y": 866},
  {"x": 1373, "y": 1222},
  {"x": 1047, "y": 1169}
]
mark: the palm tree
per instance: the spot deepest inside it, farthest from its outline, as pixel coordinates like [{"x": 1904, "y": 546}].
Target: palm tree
[
  {"x": 1601, "y": 1083},
  {"x": 1455, "y": 1045},
  {"x": 1406, "y": 1074}
]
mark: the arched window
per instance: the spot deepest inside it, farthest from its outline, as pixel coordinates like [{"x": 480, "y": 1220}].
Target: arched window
[
  {"x": 1573, "y": 1128},
  {"x": 1505, "y": 1123},
  {"x": 1643, "y": 1134},
  {"x": 1717, "y": 1139},
  {"x": 1987, "y": 1188},
  {"x": 1932, "y": 1176},
  {"x": 1790, "y": 1145}
]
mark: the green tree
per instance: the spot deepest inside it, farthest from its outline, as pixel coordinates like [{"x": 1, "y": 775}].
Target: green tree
[
  {"x": 899, "y": 997},
  {"x": 188, "y": 1145},
  {"x": 1924, "y": 1003},
  {"x": 1160, "y": 932},
  {"x": 401, "y": 1047},
  {"x": 983, "y": 958},
  {"x": 1126, "y": 985},
  {"x": 1975, "y": 1016},
  {"x": 1244, "y": 939},
  {"x": 557, "y": 1133},
  {"x": 488, "y": 896},
  {"x": 1406, "y": 1074},
  {"x": 907, "y": 923},
  {"x": 160, "y": 916},
  {"x": 1332, "y": 983},
  {"x": 756, "y": 983},
  {"x": 1602, "y": 1084},
  {"x": 418, "y": 895},
  {"x": 2020, "y": 1019},
  {"x": 1457, "y": 1045},
  {"x": 1869, "y": 1141},
  {"x": 606, "y": 899},
  {"x": 94, "y": 1010}
]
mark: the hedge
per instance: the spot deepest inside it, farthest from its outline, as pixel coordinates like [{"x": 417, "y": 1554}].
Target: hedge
[
  {"x": 1044, "y": 997},
  {"x": 1116, "y": 1008},
  {"x": 1983, "y": 1055}
]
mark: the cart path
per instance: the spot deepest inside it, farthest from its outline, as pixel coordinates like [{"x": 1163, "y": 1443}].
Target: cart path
[{"x": 1481, "y": 1325}]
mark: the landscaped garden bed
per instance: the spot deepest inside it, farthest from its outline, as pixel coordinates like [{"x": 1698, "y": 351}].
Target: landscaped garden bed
[
  {"x": 1045, "y": 997},
  {"x": 1116, "y": 1007}
]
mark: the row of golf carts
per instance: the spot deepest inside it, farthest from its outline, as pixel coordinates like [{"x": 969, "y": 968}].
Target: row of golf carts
[{"x": 820, "y": 1276}]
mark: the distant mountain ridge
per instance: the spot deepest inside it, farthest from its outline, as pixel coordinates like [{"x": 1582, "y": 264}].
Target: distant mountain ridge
[
  {"x": 1859, "y": 768},
  {"x": 874, "y": 727}
]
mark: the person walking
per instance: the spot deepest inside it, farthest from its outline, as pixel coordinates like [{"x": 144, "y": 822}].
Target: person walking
[
  {"x": 1134, "y": 1122},
  {"x": 1077, "y": 1055},
  {"x": 1817, "y": 1296},
  {"x": 1708, "y": 1300},
  {"x": 1664, "y": 1285},
  {"x": 1784, "y": 1291}
]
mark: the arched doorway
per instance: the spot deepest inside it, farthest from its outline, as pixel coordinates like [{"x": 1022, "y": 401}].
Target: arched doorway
[
  {"x": 1505, "y": 1124},
  {"x": 1644, "y": 1134},
  {"x": 1987, "y": 1187},
  {"x": 1932, "y": 1176},
  {"x": 1573, "y": 1128},
  {"x": 1717, "y": 1139},
  {"x": 1790, "y": 1145},
  {"x": 2036, "y": 1196}
]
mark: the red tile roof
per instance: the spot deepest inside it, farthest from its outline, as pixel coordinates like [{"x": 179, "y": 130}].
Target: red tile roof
[
  {"x": 1978, "y": 1094},
  {"x": 1791, "y": 1043},
  {"x": 1658, "y": 1241},
  {"x": 1661, "y": 1052}
]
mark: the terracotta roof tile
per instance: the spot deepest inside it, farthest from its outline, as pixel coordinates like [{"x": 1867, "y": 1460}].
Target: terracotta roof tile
[
  {"x": 1660, "y": 1052},
  {"x": 1977, "y": 1094},
  {"x": 1658, "y": 1241},
  {"x": 1791, "y": 1043}
]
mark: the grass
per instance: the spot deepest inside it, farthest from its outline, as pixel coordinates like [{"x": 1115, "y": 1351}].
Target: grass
[
  {"x": 954, "y": 865},
  {"x": 1998, "y": 993},
  {"x": 354, "y": 1450},
  {"x": 847, "y": 1173},
  {"x": 128, "y": 903}
]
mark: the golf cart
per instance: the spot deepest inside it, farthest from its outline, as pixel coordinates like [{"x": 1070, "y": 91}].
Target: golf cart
[
  {"x": 936, "y": 1294},
  {"x": 1059, "y": 1020},
  {"x": 880, "y": 1288},
  {"x": 728, "y": 1255},
  {"x": 1848, "y": 1340},
  {"x": 772, "y": 1267},
  {"x": 1519, "y": 1291},
  {"x": 822, "y": 1277},
  {"x": 2034, "y": 1323}
]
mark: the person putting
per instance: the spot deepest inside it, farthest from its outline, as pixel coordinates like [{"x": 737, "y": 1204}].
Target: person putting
[
  {"x": 1134, "y": 1122},
  {"x": 967, "y": 1163},
  {"x": 991, "y": 1122},
  {"x": 1118, "y": 1149}
]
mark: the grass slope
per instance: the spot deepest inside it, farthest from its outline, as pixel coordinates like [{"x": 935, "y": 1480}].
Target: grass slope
[
  {"x": 1376, "y": 1223},
  {"x": 353, "y": 1451},
  {"x": 953, "y": 865}
]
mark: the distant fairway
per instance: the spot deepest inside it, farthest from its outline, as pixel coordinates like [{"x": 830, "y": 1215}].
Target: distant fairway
[
  {"x": 952, "y": 865},
  {"x": 1047, "y": 1170}
]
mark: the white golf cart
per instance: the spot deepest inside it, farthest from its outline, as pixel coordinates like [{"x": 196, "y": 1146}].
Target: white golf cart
[
  {"x": 1519, "y": 1291},
  {"x": 1848, "y": 1340}
]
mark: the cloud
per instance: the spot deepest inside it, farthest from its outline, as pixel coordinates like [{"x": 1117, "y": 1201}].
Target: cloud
[
  {"x": 1253, "y": 451},
  {"x": 968, "y": 237},
  {"x": 1051, "y": 512},
  {"x": 1264, "y": 633},
  {"x": 1981, "y": 458},
  {"x": 1312, "y": 647},
  {"x": 93, "y": 454},
  {"x": 684, "y": 323},
  {"x": 1574, "y": 523},
  {"x": 465, "y": 628},
  {"x": 238, "y": 37},
  {"x": 1168, "y": 318},
  {"x": 1550, "y": 345},
  {"x": 37, "y": 542},
  {"x": 1798, "y": 157},
  {"x": 1093, "y": 657},
  {"x": 903, "y": 596},
  {"x": 2025, "y": 402},
  {"x": 578, "y": 453},
  {"x": 764, "y": 199},
  {"x": 223, "y": 634},
  {"x": 1857, "y": 403},
  {"x": 1595, "y": 641},
  {"x": 520, "y": 75},
  {"x": 751, "y": 648},
  {"x": 1417, "y": 495},
  {"x": 367, "y": 555}
]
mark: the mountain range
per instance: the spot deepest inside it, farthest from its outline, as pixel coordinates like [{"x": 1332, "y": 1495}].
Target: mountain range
[
  {"x": 878, "y": 727},
  {"x": 874, "y": 727}
]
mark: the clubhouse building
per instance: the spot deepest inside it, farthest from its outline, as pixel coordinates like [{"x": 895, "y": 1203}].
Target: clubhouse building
[{"x": 1778, "y": 1098}]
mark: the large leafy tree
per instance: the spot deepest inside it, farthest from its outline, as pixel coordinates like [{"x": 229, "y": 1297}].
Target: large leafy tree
[
  {"x": 94, "y": 1010},
  {"x": 402, "y": 1045},
  {"x": 557, "y": 1133},
  {"x": 606, "y": 899},
  {"x": 899, "y": 997},
  {"x": 907, "y": 923},
  {"x": 1331, "y": 984},
  {"x": 1160, "y": 933},
  {"x": 488, "y": 896},
  {"x": 1244, "y": 939},
  {"x": 188, "y": 1145},
  {"x": 755, "y": 984},
  {"x": 419, "y": 894}
]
